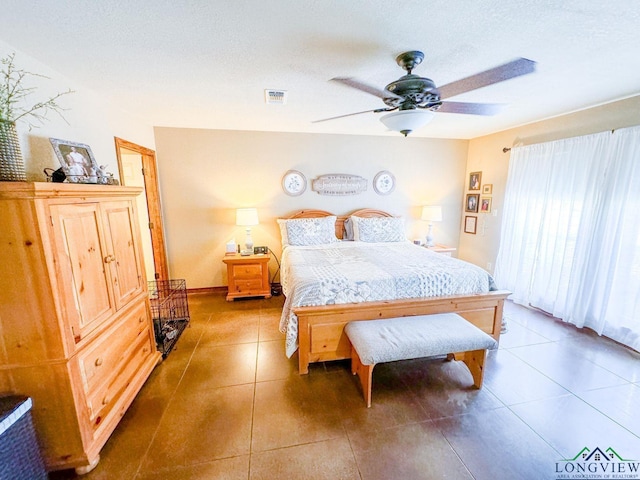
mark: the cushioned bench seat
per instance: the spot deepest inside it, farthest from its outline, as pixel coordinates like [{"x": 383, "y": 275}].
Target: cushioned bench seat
[{"x": 406, "y": 338}]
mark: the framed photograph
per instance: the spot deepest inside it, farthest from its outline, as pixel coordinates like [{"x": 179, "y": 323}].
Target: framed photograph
[
  {"x": 77, "y": 162},
  {"x": 470, "y": 224},
  {"x": 474, "y": 180},
  {"x": 487, "y": 188},
  {"x": 485, "y": 205},
  {"x": 472, "y": 203}
]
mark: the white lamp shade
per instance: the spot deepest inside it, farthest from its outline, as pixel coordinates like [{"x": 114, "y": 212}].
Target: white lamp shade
[
  {"x": 247, "y": 216},
  {"x": 432, "y": 213},
  {"x": 405, "y": 121}
]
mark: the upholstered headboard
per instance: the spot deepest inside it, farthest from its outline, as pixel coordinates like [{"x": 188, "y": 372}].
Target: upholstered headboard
[{"x": 363, "y": 212}]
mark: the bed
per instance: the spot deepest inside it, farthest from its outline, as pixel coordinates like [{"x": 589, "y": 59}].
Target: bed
[{"x": 328, "y": 282}]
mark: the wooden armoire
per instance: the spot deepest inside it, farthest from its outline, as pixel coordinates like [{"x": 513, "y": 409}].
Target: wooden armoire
[{"x": 75, "y": 329}]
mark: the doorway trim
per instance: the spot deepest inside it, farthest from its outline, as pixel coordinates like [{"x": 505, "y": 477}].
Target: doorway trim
[{"x": 156, "y": 227}]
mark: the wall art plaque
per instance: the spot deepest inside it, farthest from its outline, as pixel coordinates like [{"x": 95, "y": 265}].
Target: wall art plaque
[{"x": 339, "y": 184}]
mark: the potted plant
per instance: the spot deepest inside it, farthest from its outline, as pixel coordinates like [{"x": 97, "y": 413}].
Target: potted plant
[{"x": 14, "y": 107}]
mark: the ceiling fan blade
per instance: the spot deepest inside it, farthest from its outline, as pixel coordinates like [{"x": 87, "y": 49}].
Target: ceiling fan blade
[
  {"x": 376, "y": 110},
  {"x": 516, "y": 68},
  {"x": 472, "y": 108},
  {"x": 353, "y": 83}
]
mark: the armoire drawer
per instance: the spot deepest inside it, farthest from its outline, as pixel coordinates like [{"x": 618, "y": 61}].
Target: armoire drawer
[
  {"x": 100, "y": 359},
  {"x": 104, "y": 397}
]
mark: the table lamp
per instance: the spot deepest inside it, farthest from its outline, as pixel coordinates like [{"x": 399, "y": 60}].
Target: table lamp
[
  {"x": 247, "y": 217},
  {"x": 431, "y": 213}
]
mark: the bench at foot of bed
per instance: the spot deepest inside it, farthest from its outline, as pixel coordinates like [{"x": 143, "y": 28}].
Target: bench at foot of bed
[{"x": 406, "y": 338}]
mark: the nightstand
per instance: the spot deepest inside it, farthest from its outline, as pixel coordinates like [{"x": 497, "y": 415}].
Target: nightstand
[
  {"x": 443, "y": 249},
  {"x": 248, "y": 276}
]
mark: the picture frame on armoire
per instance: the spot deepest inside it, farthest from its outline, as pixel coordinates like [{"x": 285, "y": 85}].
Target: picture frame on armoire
[{"x": 77, "y": 161}]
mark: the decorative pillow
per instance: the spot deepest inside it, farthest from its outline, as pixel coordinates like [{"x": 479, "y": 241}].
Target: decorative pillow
[
  {"x": 308, "y": 231},
  {"x": 282, "y": 223},
  {"x": 379, "y": 229},
  {"x": 348, "y": 229}
]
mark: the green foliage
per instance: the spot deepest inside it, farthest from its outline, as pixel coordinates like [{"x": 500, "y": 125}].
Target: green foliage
[{"x": 14, "y": 95}]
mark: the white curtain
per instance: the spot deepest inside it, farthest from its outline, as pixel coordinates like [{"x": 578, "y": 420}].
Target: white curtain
[{"x": 570, "y": 239}]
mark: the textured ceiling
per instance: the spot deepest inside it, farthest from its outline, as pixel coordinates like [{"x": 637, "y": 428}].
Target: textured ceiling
[{"x": 205, "y": 64}]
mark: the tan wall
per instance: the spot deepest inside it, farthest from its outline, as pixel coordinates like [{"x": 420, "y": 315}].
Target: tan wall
[
  {"x": 89, "y": 120},
  {"x": 206, "y": 174},
  {"x": 485, "y": 154}
]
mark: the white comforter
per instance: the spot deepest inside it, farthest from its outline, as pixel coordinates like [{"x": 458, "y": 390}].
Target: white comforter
[{"x": 351, "y": 272}]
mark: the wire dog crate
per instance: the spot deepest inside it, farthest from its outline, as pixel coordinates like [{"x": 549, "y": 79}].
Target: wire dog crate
[{"x": 170, "y": 312}]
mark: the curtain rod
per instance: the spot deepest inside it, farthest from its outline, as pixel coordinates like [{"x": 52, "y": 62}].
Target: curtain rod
[{"x": 508, "y": 149}]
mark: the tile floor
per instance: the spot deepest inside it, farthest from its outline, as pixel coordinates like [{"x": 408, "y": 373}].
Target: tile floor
[{"x": 227, "y": 404}]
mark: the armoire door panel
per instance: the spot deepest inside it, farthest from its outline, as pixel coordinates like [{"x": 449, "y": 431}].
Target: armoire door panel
[
  {"x": 127, "y": 275},
  {"x": 82, "y": 264}
]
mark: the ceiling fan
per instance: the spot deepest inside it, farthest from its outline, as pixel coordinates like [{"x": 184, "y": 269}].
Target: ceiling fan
[{"x": 416, "y": 98}]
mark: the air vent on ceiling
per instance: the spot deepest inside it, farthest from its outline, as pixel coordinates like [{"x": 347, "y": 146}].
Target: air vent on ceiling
[{"x": 275, "y": 97}]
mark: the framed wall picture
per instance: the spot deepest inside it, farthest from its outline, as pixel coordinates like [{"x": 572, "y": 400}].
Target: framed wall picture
[
  {"x": 470, "y": 224},
  {"x": 485, "y": 204},
  {"x": 471, "y": 204},
  {"x": 474, "y": 180},
  {"x": 487, "y": 188}
]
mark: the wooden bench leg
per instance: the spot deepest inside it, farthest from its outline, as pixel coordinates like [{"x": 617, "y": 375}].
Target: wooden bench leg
[
  {"x": 365, "y": 374},
  {"x": 474, "y": 360}
]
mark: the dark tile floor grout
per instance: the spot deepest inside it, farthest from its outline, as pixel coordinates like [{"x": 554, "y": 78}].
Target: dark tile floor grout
[{"x": 228, "y": 404}]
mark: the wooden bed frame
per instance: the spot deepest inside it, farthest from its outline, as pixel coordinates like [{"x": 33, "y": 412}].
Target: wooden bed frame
[{"x": 321, "y": 334}]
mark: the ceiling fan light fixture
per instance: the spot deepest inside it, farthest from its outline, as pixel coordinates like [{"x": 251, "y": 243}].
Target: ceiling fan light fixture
[{"x": 406, "y": 121}]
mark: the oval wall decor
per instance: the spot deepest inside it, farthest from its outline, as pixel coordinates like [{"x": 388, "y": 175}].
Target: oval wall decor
[{"x": 339, "y": 184}]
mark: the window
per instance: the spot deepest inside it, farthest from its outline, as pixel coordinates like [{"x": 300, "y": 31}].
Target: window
[{"x": 570, "y": 239}]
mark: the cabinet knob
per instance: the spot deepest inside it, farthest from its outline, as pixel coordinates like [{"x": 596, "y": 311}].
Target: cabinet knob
[
  {"x": 98, "y": 361},
  {"x": 109, "y": 259},
  {"x": 105, "y": 400}
]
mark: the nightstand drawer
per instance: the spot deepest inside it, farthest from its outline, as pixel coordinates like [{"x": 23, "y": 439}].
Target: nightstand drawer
[
  {"x": 249, "y": 286},
  {"x": 247, "y": 271}
]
